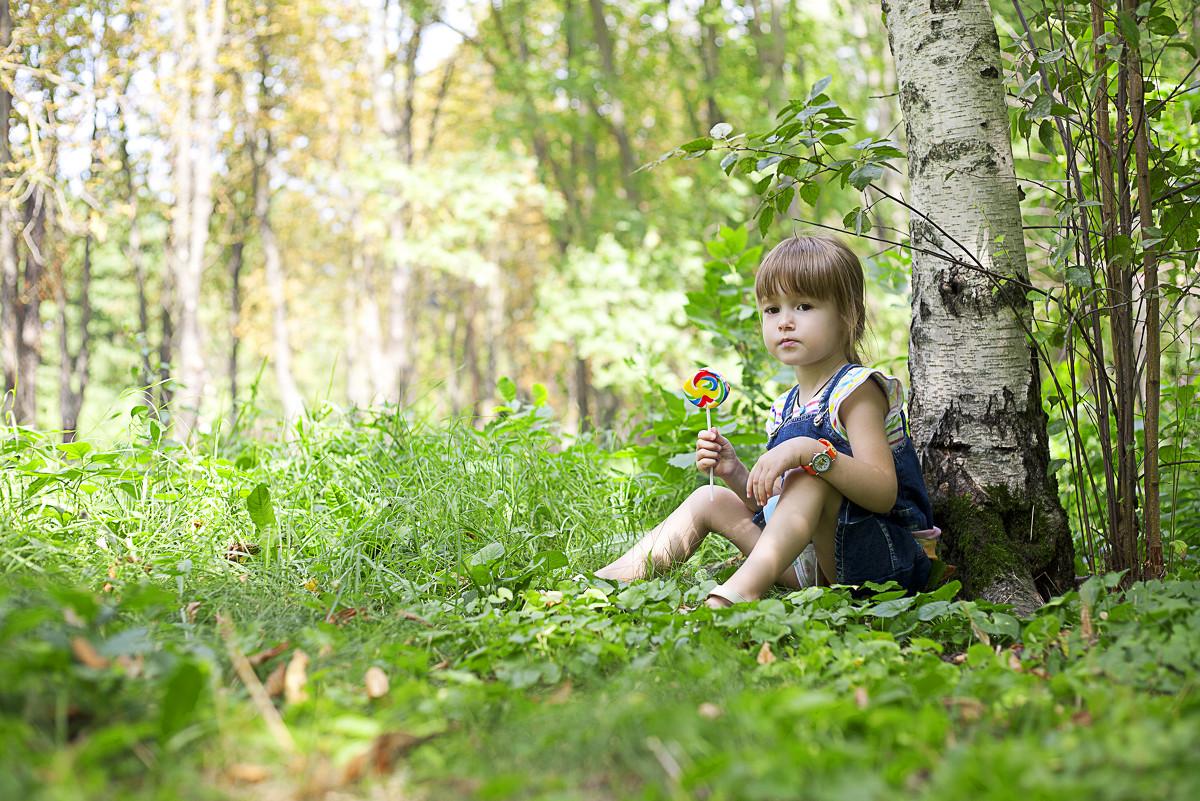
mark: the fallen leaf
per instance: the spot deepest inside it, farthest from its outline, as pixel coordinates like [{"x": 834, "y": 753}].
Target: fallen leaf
[
  {"x": 445, "y": 663},
  {"x": 131, "y": 665},
  {"x": 238, "y": 551},
  {"x": 561, "y": 693},
  {"x": 112, "y": 572},
  {"x": 1082, "y": 718},
  {"x": 344, "y": 616},
  {"x": 295, "y": 677},
  {"x": 273, "y": 686},
  {"x": 191, "y": 610},
  {"x": 1085, "y": 623},
  {"x": 552, "y": 597},
  {"x": 968, "y": 708},
  {"x": 86, "y": 654},
  {"x": 861, "y": 699},
  {"x": 402, "y": 614},
  {"x": 377, "y": 682},
  {"x": 108, "y": 587},
  {"x": 72, "y": 617},
  {"x": 765, "y": 657},
  {"x": 248, "y": 773},
  {"x": 381, "y": 757},
  {"x": 960, "y": 658},
  {"x": 709, "y": 711},
  {"x": 1014, "y": 662},
  {"x": 270, "y": 653}
]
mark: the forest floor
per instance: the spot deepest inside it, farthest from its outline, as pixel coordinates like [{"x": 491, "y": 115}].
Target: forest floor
[{"x": 380, "y": 611}]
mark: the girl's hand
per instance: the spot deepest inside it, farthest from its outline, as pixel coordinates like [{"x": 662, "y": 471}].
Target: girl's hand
[
  {"x": 715, "y": 453},
  {"x": 761, "y": 484}
]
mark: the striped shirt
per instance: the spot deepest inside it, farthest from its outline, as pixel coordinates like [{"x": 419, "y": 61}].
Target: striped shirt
[{"x": 854, "y": 378}]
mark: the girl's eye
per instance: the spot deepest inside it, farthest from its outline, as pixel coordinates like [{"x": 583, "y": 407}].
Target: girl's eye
[
  {"x": 771, "y": 310},
  {"x": 804, "y": 306}
]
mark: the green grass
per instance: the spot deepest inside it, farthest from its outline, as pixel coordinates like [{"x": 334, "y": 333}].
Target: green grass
[{"x": 457, "y": 561}]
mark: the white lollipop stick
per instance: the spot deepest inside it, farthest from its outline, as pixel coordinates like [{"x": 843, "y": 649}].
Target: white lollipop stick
[{"x": 708, "y": 419}]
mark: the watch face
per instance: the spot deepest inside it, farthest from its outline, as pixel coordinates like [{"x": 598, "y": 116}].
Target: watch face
[{"x": 821, "y": 462}]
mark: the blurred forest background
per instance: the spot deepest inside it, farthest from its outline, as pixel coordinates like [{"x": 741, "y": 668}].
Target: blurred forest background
[
  {"x": 289, "y": 204},
  {"x": 362, "y": 202}
]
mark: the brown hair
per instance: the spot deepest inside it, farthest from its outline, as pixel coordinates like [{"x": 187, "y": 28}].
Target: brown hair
[{"x": 820, "y": 267}]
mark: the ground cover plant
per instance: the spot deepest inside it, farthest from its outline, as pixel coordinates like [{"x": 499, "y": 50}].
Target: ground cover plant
[{"x": 382, "y": 607}]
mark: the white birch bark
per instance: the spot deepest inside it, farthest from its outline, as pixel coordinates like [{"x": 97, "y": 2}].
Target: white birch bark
[
  {"x": 196, "y": 147},
  {"x": 8, "y": 243},
  {"x": 289, "y": 393},
  {"x": 975, "y": 409},
  {"x": 970, "y": 360}
]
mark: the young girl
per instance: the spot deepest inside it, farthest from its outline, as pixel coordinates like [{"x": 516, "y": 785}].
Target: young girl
[{"x": 840, "y": 471}]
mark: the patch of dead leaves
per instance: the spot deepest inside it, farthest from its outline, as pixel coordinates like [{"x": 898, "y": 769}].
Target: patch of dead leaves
[
  {"x": 295, "y": 676},
  {"x": 268, "y": 654},
  {"x": 381, "y": 757},
  {"x": 86, "y": 653},
  {"x": 377, "y": 682},
  {"x": 765, "y": 656}
]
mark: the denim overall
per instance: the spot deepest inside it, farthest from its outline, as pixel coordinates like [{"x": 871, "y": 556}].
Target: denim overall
[{"x": 869, "y": 546}]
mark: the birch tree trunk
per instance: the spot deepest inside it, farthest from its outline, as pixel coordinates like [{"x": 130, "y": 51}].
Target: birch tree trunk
[
  {"x": 194, "y": 138},
  {"x": 8, "y": 241},
  {"x": 74, "y": 367},
  {"x": 29, "y": 309},
  {"x": 976, "y": 406},
  {"x": 289, "y": 393}
]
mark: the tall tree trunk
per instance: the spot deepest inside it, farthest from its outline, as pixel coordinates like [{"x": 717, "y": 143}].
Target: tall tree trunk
[
  {"x": 615, "y": 120},
  {"x": 29, "y": 309},
  {"x": 73, "y": 368},
  {"x": 976, "y": 406},
  {"x": 194, "y": 208},
  {"x": 289, "y": 393},
  {"x": 237, "y": 252},
  {"x": 1153, "y": 566},
  {"x": 8, "y": 241}
]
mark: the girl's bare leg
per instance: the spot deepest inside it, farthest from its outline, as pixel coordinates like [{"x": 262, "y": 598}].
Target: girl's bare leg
[
  {"x": 677, "y": 538},
  {"x": 807, "y": 511}
]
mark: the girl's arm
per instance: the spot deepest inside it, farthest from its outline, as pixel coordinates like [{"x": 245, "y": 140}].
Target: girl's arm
[
  {"x": 868, "y": 478},
  {"x": 714, "y": 452}
]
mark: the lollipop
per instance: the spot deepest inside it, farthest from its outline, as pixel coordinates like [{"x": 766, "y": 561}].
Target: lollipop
[{"x": 707, "y": 389}]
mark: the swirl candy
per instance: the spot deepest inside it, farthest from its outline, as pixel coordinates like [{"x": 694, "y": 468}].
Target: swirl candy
[{"x": 706, "y": 389}]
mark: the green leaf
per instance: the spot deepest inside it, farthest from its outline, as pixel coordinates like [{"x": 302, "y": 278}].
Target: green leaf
[
  {"x": 767, "y": 162},
  {"x": 492, "y": 552},
  {"x": 76, "y": 450},
  {"x": 697, "y": 145},
  {"x": 1046, "y": 135},
  {"x": 861, "y": 178},
  {"x": 507, "y": 388},
  {"x": 820, "y": 86},
  {"x": 258, "y": 503},
  {"x": 540, "y": 394},
  {"x": 728, "y": 161},
  {"x": 179, "y": 700},
  {"x": 1040, "y": 108},
  {"x": 783, "y": 200},
  {"x": 735, "y": 238},
  {"x": 765, "y": 219},
  {"x": 1129, "y": 29},
  {"x": 809, "y": 192},
  {"x": 721, "y": 130},
  {"x": 763, "y": 185}
]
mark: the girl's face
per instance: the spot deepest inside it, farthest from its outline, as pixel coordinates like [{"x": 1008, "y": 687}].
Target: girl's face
[{"x": 803, "y": 332}]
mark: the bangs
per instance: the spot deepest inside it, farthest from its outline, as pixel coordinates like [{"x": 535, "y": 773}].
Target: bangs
[{"x": 811, "y": 267}]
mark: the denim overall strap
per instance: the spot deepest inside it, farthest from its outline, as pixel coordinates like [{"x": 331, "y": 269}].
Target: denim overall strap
[{"x": 823, "y": 410}]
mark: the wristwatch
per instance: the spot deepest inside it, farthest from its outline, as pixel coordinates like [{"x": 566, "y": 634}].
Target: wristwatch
[{"x": 822, "y": 460}]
